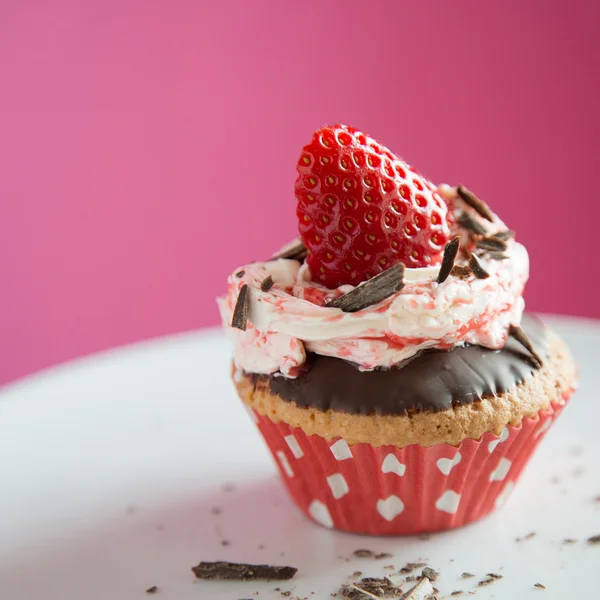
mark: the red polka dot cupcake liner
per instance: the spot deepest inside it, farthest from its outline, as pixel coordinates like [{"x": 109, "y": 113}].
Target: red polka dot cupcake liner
[{"x": 402, "y": 491}]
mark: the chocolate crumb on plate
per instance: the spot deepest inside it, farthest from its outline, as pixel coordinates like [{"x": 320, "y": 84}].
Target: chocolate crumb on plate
[
  {"x": 267, "y": 283},
  {"x": 569, "y": 541},
  {"x": 478, "y": 205},
  {"x": 370, "y": 587},
  {"x": 222, "y": 570},
  {"x": 373, "y": 291},
  {"x": 225, "y": 542},
  {"x": 466, "y": 221},
  {"x": 486, "y": 581},
  {"x": 362, "y": 553},
  {"x": 216, "y": 510},
  {"x": 595, "y": 539},
  {"x": 430, "y": 573},
  {"x": 240, "y": 312},
  {"x": 477, "y": 268},
  {"x": 520, "y": 336},
  {"x": 422, "y": 591},
  {"x": 539, "y": 586},
  {"x": 357, "y": 574},
  {"x": 467, "y": 575},
  {"x": 457, "y": 593},
  {"x": 494, "y": 575},
  {"x": 381, "y": 555},
  {"x": 152, "y": 590},
  {"x": 410, "y": 567}
]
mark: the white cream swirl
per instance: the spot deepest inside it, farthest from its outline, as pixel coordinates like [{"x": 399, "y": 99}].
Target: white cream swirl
[{"x": 291, "y": 319}]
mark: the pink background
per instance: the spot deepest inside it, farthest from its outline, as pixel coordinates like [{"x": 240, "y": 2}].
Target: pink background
[{"x": 148, "y": 147}]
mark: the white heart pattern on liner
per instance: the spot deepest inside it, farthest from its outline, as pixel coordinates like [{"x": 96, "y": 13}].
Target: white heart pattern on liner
[
  {"x": 503, "y": 437},
  {"x": 448, "y": 502},
  {"x": 445, "y": 465},
  {"x": 320, "y": 513},
  {"x": 390, "y": 508},
  {"x": 392, "y": 465}
]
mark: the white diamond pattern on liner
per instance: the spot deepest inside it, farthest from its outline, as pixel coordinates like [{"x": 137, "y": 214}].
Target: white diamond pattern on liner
[
  {"x": 390, "y": 508},
  {"x": 392, "y": 465},
  {"x": 501, "y": 471},
  {"x": 341, "y": 450},
  {"x": 294, "y": 446},
  {"x": 285, "y": 465},
  {"x": 543, "y": 428},
  {"x": 338, "y": 485},
  {"x": 448, "y": 502},
  {"x": 503, "y": 437},
  {"x": 505, "y": 494},
  {"x": 320, "y": 513},
  {"x": 445, "y": 465}
]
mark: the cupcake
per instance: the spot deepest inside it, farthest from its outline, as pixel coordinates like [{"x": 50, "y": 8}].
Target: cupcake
[{"x": 385, "y": 354}]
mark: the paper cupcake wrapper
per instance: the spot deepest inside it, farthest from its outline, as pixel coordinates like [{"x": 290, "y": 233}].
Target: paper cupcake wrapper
[{"x": 392, "y": 491}]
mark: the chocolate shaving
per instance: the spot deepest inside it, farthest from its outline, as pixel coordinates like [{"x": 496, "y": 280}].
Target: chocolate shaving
[
  {"x": 421, "y": 591},
  {"x": 491, "y": 243},
  {"x": 594, "y": 539},
  {"x": 240, "y": 274},
  {"x": 267, "y": 283},
  {"x": 475, "y": 203},
  {"x": 467, "y": 575},
  {"x": 296, "y": 251},
  {"x": 507, "y": 234},
  {"x": 430, "y": 573},
  {"x": 494, "y": 575},
  {"x": 497, "y": 255},
  {"x": 361, "y": 553},
  {"x": 450, "y": 251},
  {"x": 371, "y": 587},
  {"x": 371, "y": 292},
  {"x": 470, "y": 224},
  {"x": 381, "y": 555},
  {"x": 462, "y": 272},
  {"x": 152, "y": 590},
  {"x": 240, "y": 312},
  {"x": 242, "y": 572},
  {"x": 485, "y": 581},
  {"x": 540, "y": 586},
  {"x": 457, "y": 593},
  {"x": 518, "y": 334},
  {"x": 410, "y": 567},
  {"x": 477, "y": 268}
]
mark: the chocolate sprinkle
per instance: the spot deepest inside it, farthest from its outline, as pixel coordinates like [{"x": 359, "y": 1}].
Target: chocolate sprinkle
[
  {"x": 371, "y": 292},
  {"x": 450, "y": 252},
  {"x": 242, "y": 572},
  {"x": 470, "y": 224},
  {"x": 152, "y": 590},
  {"x": 296, "y": 251},
  {"x": 240, "y": 312},
  {"x": 477, "y": 268},
  {"x": 462, "y": 272},
  {"x": 594, "y": 539},
  {"x": 267, "y": 284},
  {"x": 521, "y": 337},
  {"x": 475, "y": 203},
  {"x": 491, "y": 243}
]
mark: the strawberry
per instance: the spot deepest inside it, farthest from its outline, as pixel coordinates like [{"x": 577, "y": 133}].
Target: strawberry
[{"x": 361, "y": 209}]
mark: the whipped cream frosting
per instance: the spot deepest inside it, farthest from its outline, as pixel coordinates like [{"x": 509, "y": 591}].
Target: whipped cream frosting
[{"x": 291, "y": 318}]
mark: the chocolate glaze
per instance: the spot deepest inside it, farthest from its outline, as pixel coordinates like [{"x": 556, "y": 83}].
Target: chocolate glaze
[{"x": 433, "y": 381}]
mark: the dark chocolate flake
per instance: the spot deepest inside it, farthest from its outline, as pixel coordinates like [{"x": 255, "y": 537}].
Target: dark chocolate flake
[
  {"x": 485, "y": 581},
  {"x": 267, "y": 283},
  {"x": 594, "y": 539},
  {"x": 430, "y": 573},
  {"x": 477, "y": 268},
  {"x": 240, "y": 312},
  {"x": 497, "y": 255},
  {"x": 152, "y": 590},
  {"x": 470, "y": 224},
  {"x": 240, "y": 274},
  {"x": 242, "y": 572},
  {"x": 518, "y": 334},
  {"x": 371, "y": 292},
  {"x": 450, "y": 251},
  {"x": 492, "y": 244},
  {"x": 494, "y": 575},
  {"x": 505, "y": 235},
  {"x": 295, "y": 251},
  {"x": 475, "y": 203}
]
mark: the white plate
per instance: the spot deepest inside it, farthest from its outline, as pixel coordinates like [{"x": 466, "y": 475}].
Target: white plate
[{"x": 111, "y": 468}]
